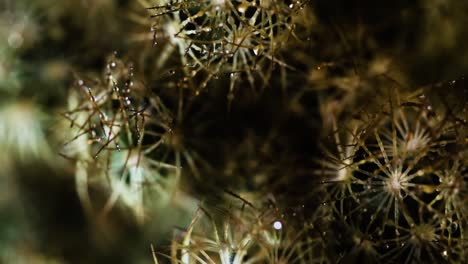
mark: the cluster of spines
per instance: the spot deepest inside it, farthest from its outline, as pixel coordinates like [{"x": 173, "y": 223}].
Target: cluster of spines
[
  {"x": 119, "y": 128},
  {"x": 241, "y": 232},
  {"x": 239, "y": 39},
  {"x": 387, "y": 183}
]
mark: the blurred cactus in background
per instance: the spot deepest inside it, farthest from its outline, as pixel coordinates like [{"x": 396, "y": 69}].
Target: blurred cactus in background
[{"x": 233, "y": 131}]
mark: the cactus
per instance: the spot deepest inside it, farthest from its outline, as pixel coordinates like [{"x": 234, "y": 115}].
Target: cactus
[{"x": 232, "y": 131}]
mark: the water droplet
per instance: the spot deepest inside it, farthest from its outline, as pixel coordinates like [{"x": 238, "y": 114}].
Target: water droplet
[
  {"x": 452, "y": 227},
  {"x": 80, "y": 82},
  {"x": 117, "y": 146},
  {"x": 445, "y": 253},
  {"x": 277, "y": 225},
  {"x": 113, "y": 64}
]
